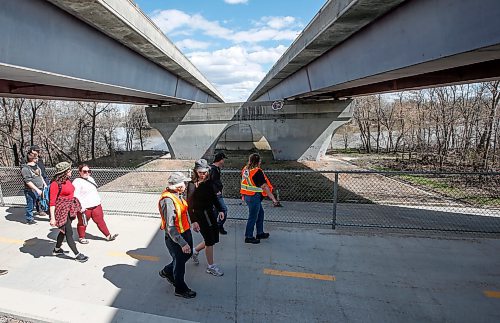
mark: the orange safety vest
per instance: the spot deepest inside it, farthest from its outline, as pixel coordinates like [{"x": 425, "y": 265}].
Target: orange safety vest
[
  {"x": 248, "y": 186},
  {"x": 181, "y": 208}
]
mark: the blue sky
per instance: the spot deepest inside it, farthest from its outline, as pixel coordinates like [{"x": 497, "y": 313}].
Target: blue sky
[{"x": 233, "y": 43}]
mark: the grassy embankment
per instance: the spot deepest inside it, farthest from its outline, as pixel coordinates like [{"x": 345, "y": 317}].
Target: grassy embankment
[{"x": 476, "y": 190}]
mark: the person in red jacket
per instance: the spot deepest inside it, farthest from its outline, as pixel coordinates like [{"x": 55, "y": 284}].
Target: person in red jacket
[{"x": 63, "y": 207}]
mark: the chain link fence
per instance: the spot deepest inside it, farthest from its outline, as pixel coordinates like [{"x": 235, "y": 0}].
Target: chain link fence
[{"x": 468, "y": 202}]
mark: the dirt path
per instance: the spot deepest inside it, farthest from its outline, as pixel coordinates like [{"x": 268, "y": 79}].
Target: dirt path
[{"x": 355, "y": 188}]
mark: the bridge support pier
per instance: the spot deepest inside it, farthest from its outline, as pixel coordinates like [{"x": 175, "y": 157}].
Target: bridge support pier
[{"x": 297, "y": 131}]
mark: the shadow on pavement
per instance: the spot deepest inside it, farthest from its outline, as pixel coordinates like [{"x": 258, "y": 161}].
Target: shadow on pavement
[
  {"x": 141, "y": 288},
  {"x": 90, "y": 236},
  {"x": 390, "y": 216},
  {"x": 38, "y": 247},
  {"x": 17, "y": 214}
]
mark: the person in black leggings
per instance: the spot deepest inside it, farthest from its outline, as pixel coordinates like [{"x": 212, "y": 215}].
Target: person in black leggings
[
  {"x": 69, "y": 238},
  {"x": 63, "y": 207}
]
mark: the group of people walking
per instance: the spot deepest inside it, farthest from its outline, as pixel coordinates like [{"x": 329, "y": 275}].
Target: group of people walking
[
  {"x": 66, "y": 200},
  {"x": 195, "y": 203},
  {"x": 203, "y": 210}
]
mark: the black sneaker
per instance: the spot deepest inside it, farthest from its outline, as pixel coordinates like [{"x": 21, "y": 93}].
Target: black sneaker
[
  {"x": 31, "y": 221},
  {"x": 168, "y": 277},
  {"x": 252, "y": 240},
  {"x": 58, "y": 252},
  {"x": 81, "y": 257},
  {"x": 222, "y": 231},
  {"x": 186, "y": 294},
  {"x": 263, "y": 235}
]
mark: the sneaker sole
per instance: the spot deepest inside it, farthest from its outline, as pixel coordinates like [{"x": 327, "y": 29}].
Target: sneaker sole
[
  {"x": 214, "y": 274},
  {"x": 60, "y": 253},
  {"x": 82, "y": 260},
  {"x": 183, "y": 296}
]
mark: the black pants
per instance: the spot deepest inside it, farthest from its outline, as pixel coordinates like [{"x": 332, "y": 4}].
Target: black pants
[
  {"x": 69, "y": 236},
  {"x": 177, "y": 267}
]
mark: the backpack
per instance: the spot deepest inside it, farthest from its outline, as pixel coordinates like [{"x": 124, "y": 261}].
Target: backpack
[{"x": 44, "y": 199}]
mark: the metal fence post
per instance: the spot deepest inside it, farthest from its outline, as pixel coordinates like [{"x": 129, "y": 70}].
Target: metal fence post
[
  {"x": 335, "y": 195},
  {"x": 2, "y": 202}
]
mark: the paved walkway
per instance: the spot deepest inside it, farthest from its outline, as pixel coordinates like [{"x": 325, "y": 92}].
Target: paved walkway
[{"x": 301, "y": 274}]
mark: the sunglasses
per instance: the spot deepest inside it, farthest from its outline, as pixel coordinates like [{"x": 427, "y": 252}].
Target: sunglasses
[
  {"x": 87, "y": 171},
  {"x": 201, "y": 173}
]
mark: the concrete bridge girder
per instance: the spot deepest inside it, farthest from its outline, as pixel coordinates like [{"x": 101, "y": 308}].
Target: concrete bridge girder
[{"x": 297, "y": 131}]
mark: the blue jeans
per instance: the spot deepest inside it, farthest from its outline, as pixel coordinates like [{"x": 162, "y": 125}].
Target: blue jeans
[
  {"x": 255, "y": 214},
  {"x": 224, "y": 209},
  {"x": 177, "y": 268},
  {"x": 31, "y": 200}
]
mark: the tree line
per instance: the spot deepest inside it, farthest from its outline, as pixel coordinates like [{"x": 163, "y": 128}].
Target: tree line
[
  {"x": 446, "y": 127},
  {"x": 67, "y": 130}
]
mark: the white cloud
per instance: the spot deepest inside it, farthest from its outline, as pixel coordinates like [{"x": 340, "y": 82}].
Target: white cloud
[
  {"x": 169, "y": 20},
  {"x": 236, "y": 70},
  {"x": 175, "y": 23},
  {"x": 235, "y": 1},
  {"x": 278, "y": 22},
  {"x": 191, "y": 44}
]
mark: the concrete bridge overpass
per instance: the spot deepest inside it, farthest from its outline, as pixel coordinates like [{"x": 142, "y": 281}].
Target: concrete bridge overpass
[
  {"x": 360, "y": 47},
  {"x": 108, "y": 50},
  {"x": 100, "y": 50}
]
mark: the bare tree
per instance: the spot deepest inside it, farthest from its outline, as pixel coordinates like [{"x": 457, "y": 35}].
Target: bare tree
[
  {"x": 35, "y": 106},
  {"x": 484, "y": 144},
  {"x": 138, "y": 121},
  {"x": 93, "y": 110}
]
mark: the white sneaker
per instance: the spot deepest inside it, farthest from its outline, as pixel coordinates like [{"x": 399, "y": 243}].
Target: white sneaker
[
  {"x": 196, "y": 261},
  {"x": 214, "y": 270}
]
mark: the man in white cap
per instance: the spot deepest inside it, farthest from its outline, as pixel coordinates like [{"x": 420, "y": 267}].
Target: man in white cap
[{"x": 175, "y": 221}]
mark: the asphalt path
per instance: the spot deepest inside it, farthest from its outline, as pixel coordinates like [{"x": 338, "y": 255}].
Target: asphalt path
[{"x": 300, "y": 274}]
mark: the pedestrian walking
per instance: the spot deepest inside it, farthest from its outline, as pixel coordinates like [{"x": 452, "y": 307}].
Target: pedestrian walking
[
  {"x": 63, "y": 208},
  {"x": 33, "y": 185},
  {"x": 202, "y": 202},
  {"x": 40, "y": 163},
  {"x": 254, "y": 187},
  {"x": 86, "y": 192},
  {"x": 215, "y": 177},
  {"x": 174, "y": 220}
]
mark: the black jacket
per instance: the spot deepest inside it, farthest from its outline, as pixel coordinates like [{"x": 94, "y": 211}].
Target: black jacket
[{"x": 201, "y": 202}]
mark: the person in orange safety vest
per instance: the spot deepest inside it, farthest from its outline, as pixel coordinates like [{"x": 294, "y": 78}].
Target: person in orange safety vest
[
  {"x": 254, "y": 187},
  {"x": 174, "y": 220}
]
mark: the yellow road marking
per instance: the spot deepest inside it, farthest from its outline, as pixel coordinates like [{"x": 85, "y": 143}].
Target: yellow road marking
[
  {"x": 134, "y": 255},
  {"x": 491, "y": 293},
  {"x": 15, "y": 241},
  {"x": 298, "y": 274}
]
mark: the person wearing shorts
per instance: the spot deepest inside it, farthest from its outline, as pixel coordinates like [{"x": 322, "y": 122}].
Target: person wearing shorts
[{"x": 202, "y": 201}]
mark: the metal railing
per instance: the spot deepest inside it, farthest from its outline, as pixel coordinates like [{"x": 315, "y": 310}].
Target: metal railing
[{"x": 467, "y": 202}]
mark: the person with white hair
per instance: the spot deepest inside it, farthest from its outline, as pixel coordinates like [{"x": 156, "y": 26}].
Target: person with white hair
[{"x": 175, "y": 221}]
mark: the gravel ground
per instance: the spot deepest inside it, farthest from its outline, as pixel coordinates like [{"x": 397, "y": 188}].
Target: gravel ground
[{"x": 10, "y": 319}]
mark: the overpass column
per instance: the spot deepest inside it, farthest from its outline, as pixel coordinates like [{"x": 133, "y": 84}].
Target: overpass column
[
  {"x": 297, "y": 131},
  {"x": 191, "y": 131},
  {"x": 302, "y": 131}
]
